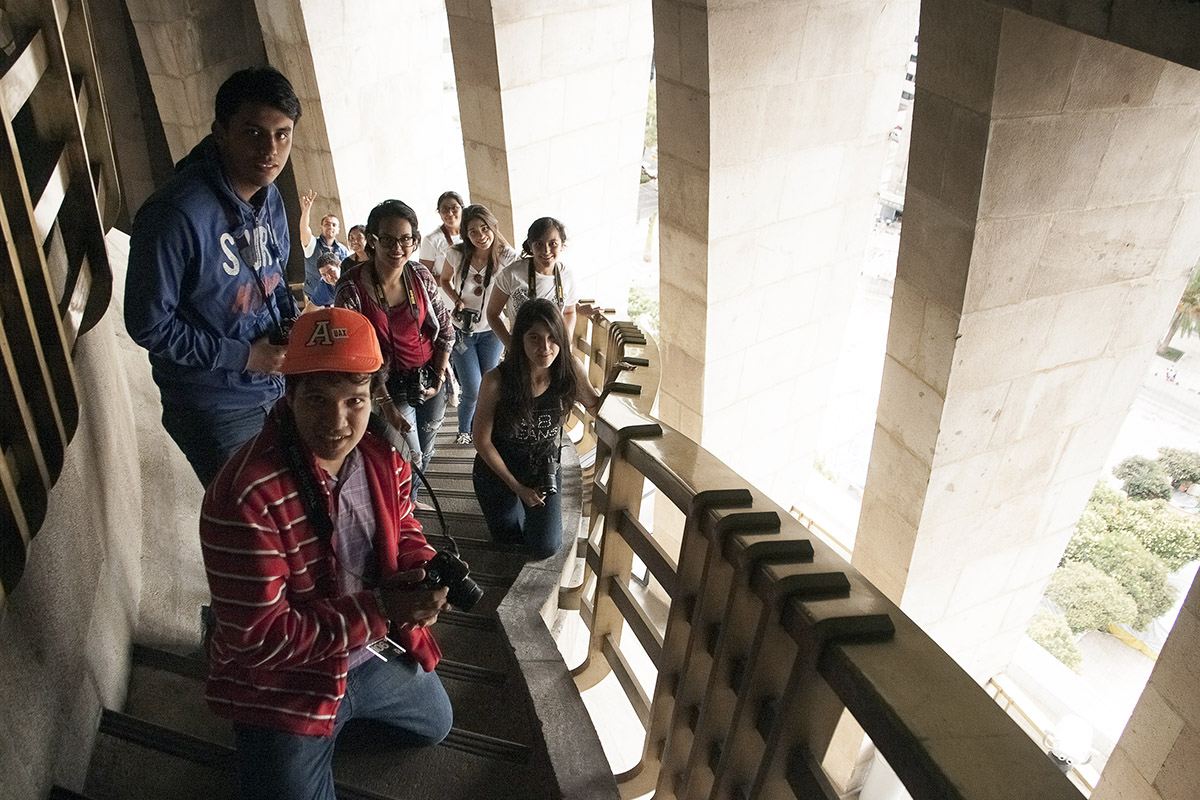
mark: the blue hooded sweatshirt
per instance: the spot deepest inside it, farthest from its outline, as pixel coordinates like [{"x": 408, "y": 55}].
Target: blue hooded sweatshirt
[{"x": 201, "y": 263}]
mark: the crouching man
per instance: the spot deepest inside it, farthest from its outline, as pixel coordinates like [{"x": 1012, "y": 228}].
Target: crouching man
[{"x": 314, "y": 562}]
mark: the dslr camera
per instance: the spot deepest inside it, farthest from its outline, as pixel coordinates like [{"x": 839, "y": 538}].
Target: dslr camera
[
  {"x": 544, "y": 469},
  {"x": 409, "y": 385},
  {"x": 448, "y": 570},
  {"x": 468, "y": 317}
]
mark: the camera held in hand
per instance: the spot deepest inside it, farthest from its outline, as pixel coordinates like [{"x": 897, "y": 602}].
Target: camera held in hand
[
  {"x": 545, "y": 473},
  {"x": 409, "y": 386},
  {"x": 278, "y": 335},
  {"x": 447, "y": 569},
  {"x": 468, "y": 317}
]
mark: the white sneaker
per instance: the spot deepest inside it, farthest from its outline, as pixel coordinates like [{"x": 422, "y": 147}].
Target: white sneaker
[{"x": 463, "y": 438}]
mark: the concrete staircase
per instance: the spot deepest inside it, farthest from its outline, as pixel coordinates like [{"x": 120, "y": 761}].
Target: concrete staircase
[{"x": 166, "y": 744}]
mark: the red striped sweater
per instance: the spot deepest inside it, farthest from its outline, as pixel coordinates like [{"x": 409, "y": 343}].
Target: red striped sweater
[{"x": 278, "y": 656}]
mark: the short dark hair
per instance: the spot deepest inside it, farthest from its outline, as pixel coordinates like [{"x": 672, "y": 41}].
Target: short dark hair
[
  {"x": 329, "y": 258},
  {"x": 260, "y": 85},
  {"x": 391, "y": 209}
]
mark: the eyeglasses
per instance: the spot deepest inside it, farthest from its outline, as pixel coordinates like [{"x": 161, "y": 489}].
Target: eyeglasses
[
  {"x": 477, "y": 281},
  {"x": 390, "y": 242},
  {"x": 454, "y": 209}
]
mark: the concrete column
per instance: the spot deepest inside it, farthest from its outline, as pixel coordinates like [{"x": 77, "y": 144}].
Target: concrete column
[
  {"x": 189, "y": 49},
  {"x": 379, "y": 112},
  {"x": 1156, "y": 756},
  {"x": 553, "y": 103},
  {"x": 773, "y": 129},
  {"x": 1051, "y": 219}
]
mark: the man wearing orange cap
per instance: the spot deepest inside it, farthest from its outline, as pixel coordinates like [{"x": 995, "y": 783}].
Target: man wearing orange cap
[{"x": 314, "y": 563}]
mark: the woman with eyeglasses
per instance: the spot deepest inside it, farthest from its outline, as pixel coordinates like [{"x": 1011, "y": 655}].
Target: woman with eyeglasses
[
  {"x": 438, "y": 242},
  {"x": 538, "y": 273},
  {"x": 467, "y": 280},
  {"x": 400, "y": 297}
]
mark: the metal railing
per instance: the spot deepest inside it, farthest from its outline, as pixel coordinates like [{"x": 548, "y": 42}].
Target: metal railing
[
  {"x": 56, "y": 166},
  {"x": 771, "y": 638}
]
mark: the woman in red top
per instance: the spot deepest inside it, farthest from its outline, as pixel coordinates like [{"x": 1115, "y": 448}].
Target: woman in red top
[{"x": 400, "y": 297}]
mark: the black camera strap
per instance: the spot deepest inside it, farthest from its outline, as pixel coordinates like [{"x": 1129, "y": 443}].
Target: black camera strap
[
  {"x": 306, "y": 483},
  {"x": 558, "y": 284},
  {"x": 379, "y": 426}
]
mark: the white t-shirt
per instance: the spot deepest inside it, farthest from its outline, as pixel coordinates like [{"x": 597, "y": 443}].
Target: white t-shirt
[
  {"x": 475, "y": 278},
  {"x": 434, "y": 248},
  {"x": 514, "y": 282}
]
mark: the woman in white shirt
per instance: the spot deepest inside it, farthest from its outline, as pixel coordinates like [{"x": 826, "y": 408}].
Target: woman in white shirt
[
  {"x": 538, "y": 273},
  {"x": 436, "y": 243},
  {"x": 468, "y": 280}
]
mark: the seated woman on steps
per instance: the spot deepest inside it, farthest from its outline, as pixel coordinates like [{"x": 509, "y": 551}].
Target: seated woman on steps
[{"x": 518, "y": 430}]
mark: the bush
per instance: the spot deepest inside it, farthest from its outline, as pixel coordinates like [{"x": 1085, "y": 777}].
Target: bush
[
  {"x": 1119, "y": 555},
  {"x": 1173, "y": 536},
  {"x": 1052, "y": 632},
  {"x": 1090, "y": 600},
  {"x": 1143, "y": 479},
  {"x": 1181, "y": 466}
]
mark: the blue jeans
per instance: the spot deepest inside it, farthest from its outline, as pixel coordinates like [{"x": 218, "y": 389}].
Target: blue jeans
[
  {"x": 290, "y": 766},
  {"x": 539, "y": 528},
  {"x": 209, "y": 438},
  {"x": 481, "y": 353},
  {"x": 425, "y": 421}
]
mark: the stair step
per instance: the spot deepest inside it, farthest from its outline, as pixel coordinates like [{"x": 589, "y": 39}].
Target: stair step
[{"x": 137, "y": 759}]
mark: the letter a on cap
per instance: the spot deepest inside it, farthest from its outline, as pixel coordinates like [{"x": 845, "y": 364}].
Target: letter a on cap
[{"x": 324, "y": 334}]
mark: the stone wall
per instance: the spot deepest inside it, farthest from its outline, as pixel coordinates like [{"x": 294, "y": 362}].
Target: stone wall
[
  {"x": 1051, "y": 220},
  {"x": 380, "y": 114},
  {"x": 189, "y": 49},
  {"x": 1157, "y": 754},
  {"x": 553, "y": 101},
  {"x": 773, "y": 131},
  {"x": 66, "y": 629}
]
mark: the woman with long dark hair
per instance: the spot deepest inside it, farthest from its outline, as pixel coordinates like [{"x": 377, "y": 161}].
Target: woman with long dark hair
[
  {"x": 538, "y": 273},
  {"x": 438, "y": 241},
  {"x": 400, "y": 297},
  {"x": 518, "y": 430},
  {"x": 467, "y": 279}
]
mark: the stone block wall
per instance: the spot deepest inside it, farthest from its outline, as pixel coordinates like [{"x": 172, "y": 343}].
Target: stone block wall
[
  {"x": 1051, "y": 220},
  {"x": 189, "y": 49},
  {"x": 383, "y": 95},
  {"x": 553, "y": 102},
  {"x": 1156, "y": 756},
  {"x": 773, "y": 131}
]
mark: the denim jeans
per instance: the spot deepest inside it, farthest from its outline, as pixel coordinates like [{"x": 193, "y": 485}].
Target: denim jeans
[
  {"x": 539, "y": 528},
  {"x": 482, "y": 353},
  {"x": 425, "y": 421},
  {"x": 209, "y": 438},
  {"x": 289, "y": 766}
]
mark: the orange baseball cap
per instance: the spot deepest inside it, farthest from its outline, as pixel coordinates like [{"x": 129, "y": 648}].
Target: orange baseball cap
[{"x": 332, "y": 340}]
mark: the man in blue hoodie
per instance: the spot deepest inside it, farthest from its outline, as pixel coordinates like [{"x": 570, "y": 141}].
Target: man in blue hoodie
[{"x": 206, "y": 291}]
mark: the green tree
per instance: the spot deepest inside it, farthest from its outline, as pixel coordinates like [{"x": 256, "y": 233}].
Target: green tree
[
  {"x": 1119, "y": 555},
  {"x": 1052, "y": 632},
  {"x": 643, "y": 309},
  {"x": 1170, "y": 534},
  {"x": 1186, "y": 319},
  {"x": 1181, "y": 466},
  {"x": 1143, "y": 478},
  {"x": 1090, "y": 600}
]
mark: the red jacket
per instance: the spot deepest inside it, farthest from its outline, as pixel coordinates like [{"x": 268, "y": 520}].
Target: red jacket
[{"x": 278, "y": 656}]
